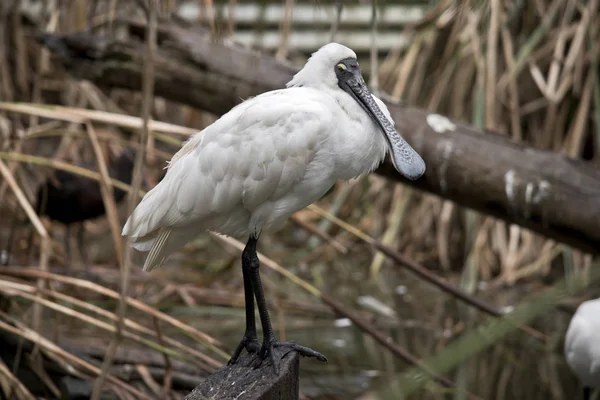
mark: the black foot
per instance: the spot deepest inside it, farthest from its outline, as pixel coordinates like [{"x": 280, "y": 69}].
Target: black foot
[
  {"x": 277, "y": 350},
  {"x": 250, "y": 343}
]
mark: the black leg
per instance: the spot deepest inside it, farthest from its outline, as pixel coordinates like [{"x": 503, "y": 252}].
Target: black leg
[
  {"x": 10, "y": 242},
  {"x": 271, "y": 347},
  {"x": 67, "y": 239},
  {"x": 587, "y": 393},
  {"x": 250, "y": 339},
  {"x": 82, "y": 249},
  {"x": 30, "y": 246}
]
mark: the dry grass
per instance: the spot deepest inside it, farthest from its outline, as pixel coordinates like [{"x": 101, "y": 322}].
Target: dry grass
[
  {"x": 523, "y": 69},
  {"x": 527, "y": 70}
]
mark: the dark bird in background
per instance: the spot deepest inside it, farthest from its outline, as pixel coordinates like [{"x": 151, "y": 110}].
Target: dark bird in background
[{"x": 73, "y": 199}]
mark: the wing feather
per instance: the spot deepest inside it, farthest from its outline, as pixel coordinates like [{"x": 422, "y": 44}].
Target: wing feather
[
  {"x": 252, "y": 155},
  {"x": 155, "y": 259}
]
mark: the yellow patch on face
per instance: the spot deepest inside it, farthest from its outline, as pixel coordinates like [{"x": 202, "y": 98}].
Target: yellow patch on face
[{"x": 342, "y": 66}]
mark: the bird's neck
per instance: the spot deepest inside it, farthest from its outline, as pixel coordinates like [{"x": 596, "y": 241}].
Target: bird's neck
[{"x": 360, "y": 145}]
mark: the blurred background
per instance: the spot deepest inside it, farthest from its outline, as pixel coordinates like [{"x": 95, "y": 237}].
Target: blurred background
[{"x": 455, "y": 58}]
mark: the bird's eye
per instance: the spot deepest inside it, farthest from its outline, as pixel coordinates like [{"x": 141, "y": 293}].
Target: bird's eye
[{"x": 341, "y": 67}]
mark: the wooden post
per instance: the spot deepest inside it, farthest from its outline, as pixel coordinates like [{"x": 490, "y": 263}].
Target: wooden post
[{"x": 242, "y": 381}]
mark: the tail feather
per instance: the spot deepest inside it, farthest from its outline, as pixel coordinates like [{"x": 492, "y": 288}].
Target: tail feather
[
  {"x": 158, "y": 226},
  {"x": 155, "y": 256},
  {"x": 158, "y": 245}
]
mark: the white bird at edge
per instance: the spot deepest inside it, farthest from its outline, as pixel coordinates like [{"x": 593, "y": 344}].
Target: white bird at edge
[
  {"x": 265, "y": 159},
  {"x": 582, "y": 346}
]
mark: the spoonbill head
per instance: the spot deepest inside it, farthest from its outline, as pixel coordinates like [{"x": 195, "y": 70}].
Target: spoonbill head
[
  {"x": 346, "y": 75},
  {"x": 582, "y": 345},
  {"x": 267, "y": 158}
]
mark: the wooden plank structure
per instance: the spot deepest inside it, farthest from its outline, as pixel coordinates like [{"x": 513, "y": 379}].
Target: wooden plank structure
[{"x": 259, "y": 25}]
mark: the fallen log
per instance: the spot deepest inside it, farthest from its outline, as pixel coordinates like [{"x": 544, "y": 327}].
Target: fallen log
[{"x": 546, "y": 192}]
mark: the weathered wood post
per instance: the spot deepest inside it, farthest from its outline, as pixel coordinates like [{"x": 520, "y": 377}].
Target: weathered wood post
[{"x": 244, "y": 381}]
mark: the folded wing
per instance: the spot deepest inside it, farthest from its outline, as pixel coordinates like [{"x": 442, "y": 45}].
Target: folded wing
[{"x": 253, "y": 155}]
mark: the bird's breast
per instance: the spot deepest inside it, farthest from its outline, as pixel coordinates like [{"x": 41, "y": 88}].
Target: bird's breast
[{"x": 358, "y": 145}]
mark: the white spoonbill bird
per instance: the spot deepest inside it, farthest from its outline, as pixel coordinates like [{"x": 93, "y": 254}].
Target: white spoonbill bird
[
  {"x": 582, "y": 345},
  {"x": 267, "y": 158}
]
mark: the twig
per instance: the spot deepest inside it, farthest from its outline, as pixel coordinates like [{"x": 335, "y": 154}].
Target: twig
[
  {"x": 388, "y": 343},
  {"x": 63, "y": 166},
  {"x": 491, "y": 54},
  {"x": 400, "y": 200},
  {"x": 45, "y": 241},
  {"x": 144, "y": 373},
  {"x": 202, "y": 337},
  {"x": 336, "y": 23},
  {"x": 13, "y": 383},
  {"x": 513, "y": 92},
  {"x": 108, "y": 197},
  {"x": 336, "y": 204},
  {"x": 286, "y": 25},
  {"x": 422, "y": 271},
  {"x": 27, "y": 292},
  {"x": 231, "y": 6},
  {"x": 333, "y": 242},
  {"x": 81, "y": 115},
  {"x": 532, "y": 42},
  {"x": 490, "y": 333},
  {"x": 34, "y": 337},
  {"x": 147, "y": 94},
  {"x": 436, "y": 280},
  {"x": 168, "y": 378},
  {"x": 374, "y": 82},
  {"x": 210, "y": 10}
]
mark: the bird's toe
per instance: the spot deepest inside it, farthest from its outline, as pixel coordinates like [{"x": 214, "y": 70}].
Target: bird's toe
[
  {"x": 250, "y": 343},
  {"x": 275, "y": 351}
]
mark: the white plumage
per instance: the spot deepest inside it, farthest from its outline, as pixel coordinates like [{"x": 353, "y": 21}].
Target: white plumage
[
  {"x": 582, "y": 344},
  {"x": 264, "y": 160},
  {"x": 268, "y": 157}
]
